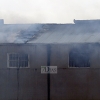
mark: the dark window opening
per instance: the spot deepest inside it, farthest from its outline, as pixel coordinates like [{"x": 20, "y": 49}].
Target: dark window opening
[
  {"x": 18, "y": 60},
  {"x": 79, "y": 58}
]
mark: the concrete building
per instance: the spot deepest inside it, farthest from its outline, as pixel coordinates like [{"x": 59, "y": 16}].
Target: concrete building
[{"x": 73, "y": 48}]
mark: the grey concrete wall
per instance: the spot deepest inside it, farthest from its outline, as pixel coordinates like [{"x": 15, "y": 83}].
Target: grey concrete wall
[
  {"x": 67, "y": 84},
  {"x": 23, "y": 83},
  {"x": 75, "y": 83},
  {"x": 59, "y": 55}
]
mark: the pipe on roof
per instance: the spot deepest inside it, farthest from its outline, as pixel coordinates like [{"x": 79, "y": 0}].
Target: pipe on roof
[{"x": 1, "y": 21}]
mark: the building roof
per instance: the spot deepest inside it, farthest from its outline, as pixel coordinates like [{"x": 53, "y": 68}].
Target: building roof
[
  {"x": 17, "y": 33},
  {"x": 81, "y": 31},
  {"x": 69, "y": 33}
]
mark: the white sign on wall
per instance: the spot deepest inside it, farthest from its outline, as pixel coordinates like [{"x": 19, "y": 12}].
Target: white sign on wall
[{"x": 49, "y": 69}]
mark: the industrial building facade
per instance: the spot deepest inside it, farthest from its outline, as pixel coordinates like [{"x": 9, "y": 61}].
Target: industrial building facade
[
  {"x": 28, "y": 83},
  {"x": 73, "y": 48}
]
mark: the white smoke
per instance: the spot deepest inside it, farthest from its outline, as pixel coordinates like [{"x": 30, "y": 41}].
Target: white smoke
[
  {"x": 48, "y": 11},
  {"x": 20, "y": 33}
]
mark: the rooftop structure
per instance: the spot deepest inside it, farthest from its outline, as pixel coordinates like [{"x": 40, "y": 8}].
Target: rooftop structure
[{"x": 80, "y": 31}]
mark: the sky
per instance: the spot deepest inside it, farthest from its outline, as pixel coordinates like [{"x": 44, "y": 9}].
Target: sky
[{"x": 48, "y": 11}]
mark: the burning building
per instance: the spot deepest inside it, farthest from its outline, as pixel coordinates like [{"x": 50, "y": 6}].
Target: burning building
[{"x": 73, "y": 48}]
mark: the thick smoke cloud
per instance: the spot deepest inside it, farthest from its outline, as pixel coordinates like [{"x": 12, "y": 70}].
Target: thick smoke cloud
[
  {"x": 44, "y": 11},
  {"x": 20, "y": 33}
]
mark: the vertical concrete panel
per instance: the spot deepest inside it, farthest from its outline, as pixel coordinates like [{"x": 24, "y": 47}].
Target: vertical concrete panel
[
  {"x": 27, "y": 84},
  {"x": 77, "y": 83},
  {"x": 41, "y": 86},
  {"x": 3, "y": 57},
  {"x": 32, "y": 56},
  {"x": 59, "y": 55},
  {"x": 69, "y": 84},
  {"x": 54, "y": 59},
  {"x": 64, "y": 56},
  {"x": 58, "y": 86},
  {"x": 11, "y": 90},
  {"x": 41, "y": 56},
  {"x": 95, "y": 57},
  {"x": 32, "y": 84},
  {"x": 3, "y": 84},
  {"x": 94, "y": 84}
]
